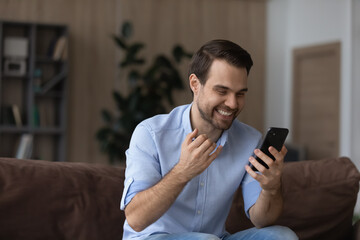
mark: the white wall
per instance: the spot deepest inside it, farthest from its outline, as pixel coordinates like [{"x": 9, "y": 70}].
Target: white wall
[
  {"x": 276, "y": 57},
  {"x": 355, "y": 125},
  {"x": 292, "y": 24},
  {"x": 355, "y": 120}
]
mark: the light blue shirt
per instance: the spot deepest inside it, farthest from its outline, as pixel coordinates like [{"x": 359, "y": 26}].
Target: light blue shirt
[{"x": 205, "y": 202}]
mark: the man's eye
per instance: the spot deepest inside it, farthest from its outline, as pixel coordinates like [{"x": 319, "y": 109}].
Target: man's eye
[{"x": 221, "y": 92}]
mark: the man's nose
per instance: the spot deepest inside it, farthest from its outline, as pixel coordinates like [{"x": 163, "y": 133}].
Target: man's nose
[{"x": 231, "y": 102}]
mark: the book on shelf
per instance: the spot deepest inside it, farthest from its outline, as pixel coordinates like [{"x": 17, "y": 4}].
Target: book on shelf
[
  {"x": 10, "y": 115},
  {"x": 25, "y": 146},
  {"x": 60, "y": 48},
  {"x": 16, "y": 114}
]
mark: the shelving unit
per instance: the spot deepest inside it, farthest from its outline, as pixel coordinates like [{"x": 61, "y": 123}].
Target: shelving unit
[{"x": 38, "y": 94}]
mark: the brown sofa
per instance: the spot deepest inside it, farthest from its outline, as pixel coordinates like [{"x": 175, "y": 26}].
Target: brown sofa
[{"x": 62, "y": 200}]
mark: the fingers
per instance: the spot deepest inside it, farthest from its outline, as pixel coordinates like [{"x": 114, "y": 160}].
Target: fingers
[
  {"x": 193, "y": 139},
  {"x": 269, "y": 179},
  {"x": 284, "y": 150},
  {"x": 208, "y": 147},
  {"x": 265, "y": 158},
  {"x": 279, "y": 156},
  {"x": 256, "y": 164},
  {"x": 189, "y": 138},
  {"x": 216, "y": 153},
  {"x": 210, "y": 158},
  {"x": 251, "y": 172},
  {"x": 200, "y": 145},
  {"x": 272, "y": 164},
  {"x": 197, "y": 153},
  {"x": 201, "y": 140}
]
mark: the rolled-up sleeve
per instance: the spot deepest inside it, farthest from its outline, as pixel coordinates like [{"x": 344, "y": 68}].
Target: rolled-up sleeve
[
  {"x": 142, "y": 165},
  {"x": 131, "y": 189},
  {"x": 251, "y": 190}
]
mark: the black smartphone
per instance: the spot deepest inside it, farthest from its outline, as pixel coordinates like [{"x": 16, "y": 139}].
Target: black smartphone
[{"x": 274, "y": 137}]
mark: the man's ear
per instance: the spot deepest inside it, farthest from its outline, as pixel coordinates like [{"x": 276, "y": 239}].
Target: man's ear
[{"x": 194, "y": 83}]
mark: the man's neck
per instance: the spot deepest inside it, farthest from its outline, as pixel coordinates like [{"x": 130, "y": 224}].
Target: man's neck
[{"x": 203, "y": 126}]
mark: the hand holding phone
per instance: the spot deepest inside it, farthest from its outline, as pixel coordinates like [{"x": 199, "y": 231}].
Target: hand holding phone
[{"x": 274, "y": 137}]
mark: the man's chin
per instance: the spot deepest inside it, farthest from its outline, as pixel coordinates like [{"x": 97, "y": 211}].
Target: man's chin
[{"x": 223, "y": 126}]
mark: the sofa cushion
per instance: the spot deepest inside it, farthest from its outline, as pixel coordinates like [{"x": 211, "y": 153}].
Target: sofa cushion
[
  {"x": 319, "y": 198},
  {"x": 48, "y": 200},
  {"x": 59, "y": 200}
]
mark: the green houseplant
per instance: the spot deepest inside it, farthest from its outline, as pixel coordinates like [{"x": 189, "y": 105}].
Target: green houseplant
[{"x": 151, "y": 86}]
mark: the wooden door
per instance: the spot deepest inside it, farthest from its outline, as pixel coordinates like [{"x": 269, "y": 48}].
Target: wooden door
[{"x": 316, "y": 99}]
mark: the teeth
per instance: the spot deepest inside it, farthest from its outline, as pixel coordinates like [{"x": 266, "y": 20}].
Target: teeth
[{"x": 224, "y": 113}]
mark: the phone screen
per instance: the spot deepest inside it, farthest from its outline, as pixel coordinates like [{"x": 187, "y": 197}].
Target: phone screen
[{"x": 274, "y": 137}]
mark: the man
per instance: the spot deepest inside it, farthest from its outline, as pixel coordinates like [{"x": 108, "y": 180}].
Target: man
[{"x": 184, "y": 167}]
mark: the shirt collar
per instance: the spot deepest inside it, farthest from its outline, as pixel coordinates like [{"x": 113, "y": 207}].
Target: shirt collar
[
  {"x": 188, "y": 129},
  {"x": 186, "y": 120}
]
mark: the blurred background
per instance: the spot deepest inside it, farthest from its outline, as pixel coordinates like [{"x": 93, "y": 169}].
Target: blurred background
[{"x": 305, "y": 77}]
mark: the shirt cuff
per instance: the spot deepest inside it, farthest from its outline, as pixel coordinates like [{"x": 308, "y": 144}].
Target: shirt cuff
[
  {"x": 131, "y": 188},
  {"x": 251, "y": 193}
]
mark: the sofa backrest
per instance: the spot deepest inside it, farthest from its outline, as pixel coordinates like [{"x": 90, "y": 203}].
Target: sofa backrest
[
  {"x": 59, "y": 200},
  {"x": 319, "y": 199},
  {"x": 62, "y": 200}
]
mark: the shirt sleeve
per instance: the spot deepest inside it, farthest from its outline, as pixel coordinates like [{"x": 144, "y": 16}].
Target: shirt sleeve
[
  {"x": 142, "y": 165},
  {"x": 251, "y": 190}
]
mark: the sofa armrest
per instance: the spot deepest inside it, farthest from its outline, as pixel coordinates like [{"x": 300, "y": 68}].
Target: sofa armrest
[
  {"x": 319, "y": 198},
  {"x": 60, "y": 200}
]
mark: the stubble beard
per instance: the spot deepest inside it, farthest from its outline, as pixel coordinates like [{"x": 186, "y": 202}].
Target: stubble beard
[{"x": 208, "y": 117}]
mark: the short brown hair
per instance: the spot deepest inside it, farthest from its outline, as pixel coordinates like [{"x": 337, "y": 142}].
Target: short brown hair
[{"x": 218, "y": 49}]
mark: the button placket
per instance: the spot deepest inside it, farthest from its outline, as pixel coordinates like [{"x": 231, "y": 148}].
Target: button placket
[{"x": 201, "y": 201}]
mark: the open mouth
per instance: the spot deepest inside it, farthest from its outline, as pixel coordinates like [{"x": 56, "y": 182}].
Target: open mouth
[{"x": 225, "y": 114}]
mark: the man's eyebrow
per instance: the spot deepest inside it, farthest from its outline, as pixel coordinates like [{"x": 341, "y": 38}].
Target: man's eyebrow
[
  {"x": 244, "y": 90},
  {"x": 221, "y": 86},
  {"x": 226, "y": 88}
]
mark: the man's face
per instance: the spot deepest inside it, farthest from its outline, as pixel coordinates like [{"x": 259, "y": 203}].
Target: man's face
[{"x": 220, "y": 100}]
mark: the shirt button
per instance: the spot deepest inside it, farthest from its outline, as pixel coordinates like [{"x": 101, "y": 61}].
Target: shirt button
[
  {"x": 198, "y": 212},
  {"x": 202, "y": 184}
]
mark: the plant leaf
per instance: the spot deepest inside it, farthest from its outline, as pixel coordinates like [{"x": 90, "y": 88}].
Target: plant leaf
[
  {"x": 106, "y": 116},
  {"x": 135, "y": 48},
  {"x": 160, "y": 78},
  {"x": 178, "y": 53},
  {"x": 126, "y": 29},
  {"x": 133, "y": 77},
  {"x": 103, "y": 133},
  {"x": 131, "y": 58},
  {"x": 163, "y": 61},
  {"x": 134, "y": 99},
  {"x": 120, "y": 42},
  {"x": 121, "y": 102}
]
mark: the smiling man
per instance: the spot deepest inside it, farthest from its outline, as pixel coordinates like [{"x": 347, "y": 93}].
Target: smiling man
[{"x": 184, "y": 167}]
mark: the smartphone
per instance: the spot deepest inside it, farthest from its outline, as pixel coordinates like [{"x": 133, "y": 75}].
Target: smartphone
[{"x": 274, "y": 137}]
